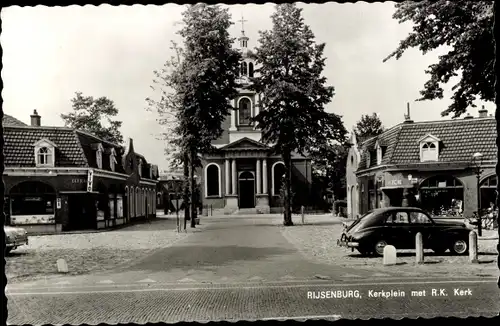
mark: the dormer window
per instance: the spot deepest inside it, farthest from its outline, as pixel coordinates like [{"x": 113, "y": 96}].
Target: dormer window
[
  {"x": 139, "y": 167},
  {"x": 98, "y": 154},
  {"x": 429, "y": 148},
  {"x": 45, "y": 153},
  {"x": 112, "y": 159},
  {"x": 380, "y": 153},
  {"x": 368, "y": 159}
]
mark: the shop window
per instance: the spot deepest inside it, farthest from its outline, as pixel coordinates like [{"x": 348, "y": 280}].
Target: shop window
[
  {"x": 442, "y": 196},
  {"x": 45, "y": 153},
  {"x": 488, "y": 192},
  {"x": 32, "y": 202}
]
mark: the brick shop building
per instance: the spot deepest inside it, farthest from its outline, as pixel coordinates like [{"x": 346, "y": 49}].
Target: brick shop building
[
  {"x": 429, "y": 164},
  {"x": 61, "y": 179}
]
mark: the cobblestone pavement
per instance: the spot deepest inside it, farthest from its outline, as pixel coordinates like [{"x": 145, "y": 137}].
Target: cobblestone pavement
[
  {"x": 148, "y": 303},
  {"x": 90, "y": 252},
  {"x": 318, "y": 240}
]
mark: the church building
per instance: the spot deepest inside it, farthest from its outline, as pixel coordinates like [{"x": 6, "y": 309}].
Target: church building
[{"x": 244, "y": 175}]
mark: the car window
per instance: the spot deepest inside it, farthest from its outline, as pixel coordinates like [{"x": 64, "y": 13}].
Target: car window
[
  {"x": 419, "y": 218},
  {"x": 401, "y": 217},
  {"x": 389, "y": 219}
]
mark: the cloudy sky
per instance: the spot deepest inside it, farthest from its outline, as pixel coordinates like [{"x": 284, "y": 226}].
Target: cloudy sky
[{"x": 50, "y": 53}]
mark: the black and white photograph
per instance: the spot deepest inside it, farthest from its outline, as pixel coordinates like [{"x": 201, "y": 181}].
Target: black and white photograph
[{"x": 240, "y": 162}]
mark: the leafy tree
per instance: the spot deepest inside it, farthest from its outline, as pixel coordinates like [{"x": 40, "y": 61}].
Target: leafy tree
[
  {"x": 206, "y": 79},
  {"x": 465, "y": 27},
  {"x": 329, "y": 167},
  {"x": 88, "y": 115},
  {"x": 168, "y": 107},
  {"x": 292, "y": 115},
  {"x": 368, "y": 126}
]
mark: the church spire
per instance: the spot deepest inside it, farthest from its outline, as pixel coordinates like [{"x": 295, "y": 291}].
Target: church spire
[{"x": 243, "y": 38}]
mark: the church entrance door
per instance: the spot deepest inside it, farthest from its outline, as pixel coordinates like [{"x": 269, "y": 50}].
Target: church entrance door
[{"x": 247, "y": 190}]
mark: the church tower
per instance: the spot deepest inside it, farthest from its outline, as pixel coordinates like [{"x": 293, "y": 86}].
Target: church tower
[{"x": 247, "y": 101}]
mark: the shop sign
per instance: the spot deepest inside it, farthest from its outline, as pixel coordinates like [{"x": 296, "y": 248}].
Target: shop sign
[
  {"x": 90, "y": 180},
  {"x": 32, "y": 198},
  {"x": 78, "y": 181},
  {"x": 58, "y": 203},
  {"x": 414, "y": 180},
  {"x": 396, "y": 182}
]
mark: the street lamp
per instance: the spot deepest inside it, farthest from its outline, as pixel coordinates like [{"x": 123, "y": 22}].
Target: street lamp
[{"x": 477, "y": 159}]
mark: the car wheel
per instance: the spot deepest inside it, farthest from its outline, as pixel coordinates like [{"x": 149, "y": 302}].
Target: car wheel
[
  {"x": 459, "y": 247},
  {"x": 379, "y": 247}
]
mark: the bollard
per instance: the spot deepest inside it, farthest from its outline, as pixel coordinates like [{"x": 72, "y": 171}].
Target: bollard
[
  {"x": 390, "y": 255},
  {"x": 419, "y": 247},
  {"x": 62, "y": 266},
  {"x": 302, "y": 213},
  {"x": 473, "y": 247}
]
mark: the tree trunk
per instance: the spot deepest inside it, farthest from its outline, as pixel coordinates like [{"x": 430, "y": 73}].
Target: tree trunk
[
  {"x": 287, "y": 158},
  {"x": 193, "y": 190},
  {"x": 186, "y": 189}
]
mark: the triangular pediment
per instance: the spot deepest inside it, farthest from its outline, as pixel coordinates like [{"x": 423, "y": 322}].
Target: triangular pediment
[
  {"x": 245, "y": 143},
  {"x": 429, "y": 138},
  {"x": 45, "y": 143}
]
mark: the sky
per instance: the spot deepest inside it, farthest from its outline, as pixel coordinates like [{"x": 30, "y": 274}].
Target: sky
[{"x": 49, "y": 53}]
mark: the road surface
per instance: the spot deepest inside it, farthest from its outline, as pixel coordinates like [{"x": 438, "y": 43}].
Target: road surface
[{"x": 241, "y": 269}]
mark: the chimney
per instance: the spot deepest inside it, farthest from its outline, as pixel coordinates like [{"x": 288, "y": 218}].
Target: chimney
[
  {"x": 35, "y": 119},
  {"x": 468, "y": 116},
  {"x": 483, "y": 113},
  {"x": 407, "y": 115}
]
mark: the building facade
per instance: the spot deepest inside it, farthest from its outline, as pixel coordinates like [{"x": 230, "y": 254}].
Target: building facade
[
  {"x": 61, "y": 179},
  {"x": 244, "y": 175},
  {"x": 432, "y": 164}
]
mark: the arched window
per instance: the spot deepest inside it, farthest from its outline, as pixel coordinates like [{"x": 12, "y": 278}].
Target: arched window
[
  {"x": 212, "y": 180},
  {"x": 442, "y": 195},
  {"x": 488, "y": 191},
  {"x": 244, "y": 68},
  {"x": 126, "y": 203},
  {"x": 245, "y": 111},
  {"x": 250, "y": 69},
  {"x": 44, "y": 156},
  {"x": 278, "y": 173}
]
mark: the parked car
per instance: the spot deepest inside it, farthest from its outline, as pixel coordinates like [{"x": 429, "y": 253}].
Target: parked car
[
  {"x": 14, "y": 237},
  {"x": 398, "y": 226}
]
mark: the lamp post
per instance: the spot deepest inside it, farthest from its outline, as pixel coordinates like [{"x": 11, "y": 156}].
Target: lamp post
[{"x": 476, "y": 160}]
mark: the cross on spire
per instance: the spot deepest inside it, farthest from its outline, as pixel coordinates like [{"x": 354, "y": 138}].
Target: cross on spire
[{"x": 242, "y": 21}]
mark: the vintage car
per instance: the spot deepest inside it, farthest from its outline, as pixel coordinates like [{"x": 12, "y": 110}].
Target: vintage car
[
  {"x": 398, "y": 226},
  {"x": 14, "y": 237}
]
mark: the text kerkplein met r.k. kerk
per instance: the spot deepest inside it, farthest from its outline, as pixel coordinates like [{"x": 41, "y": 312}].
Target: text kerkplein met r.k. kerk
[{"x": 387, "y": 294}]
